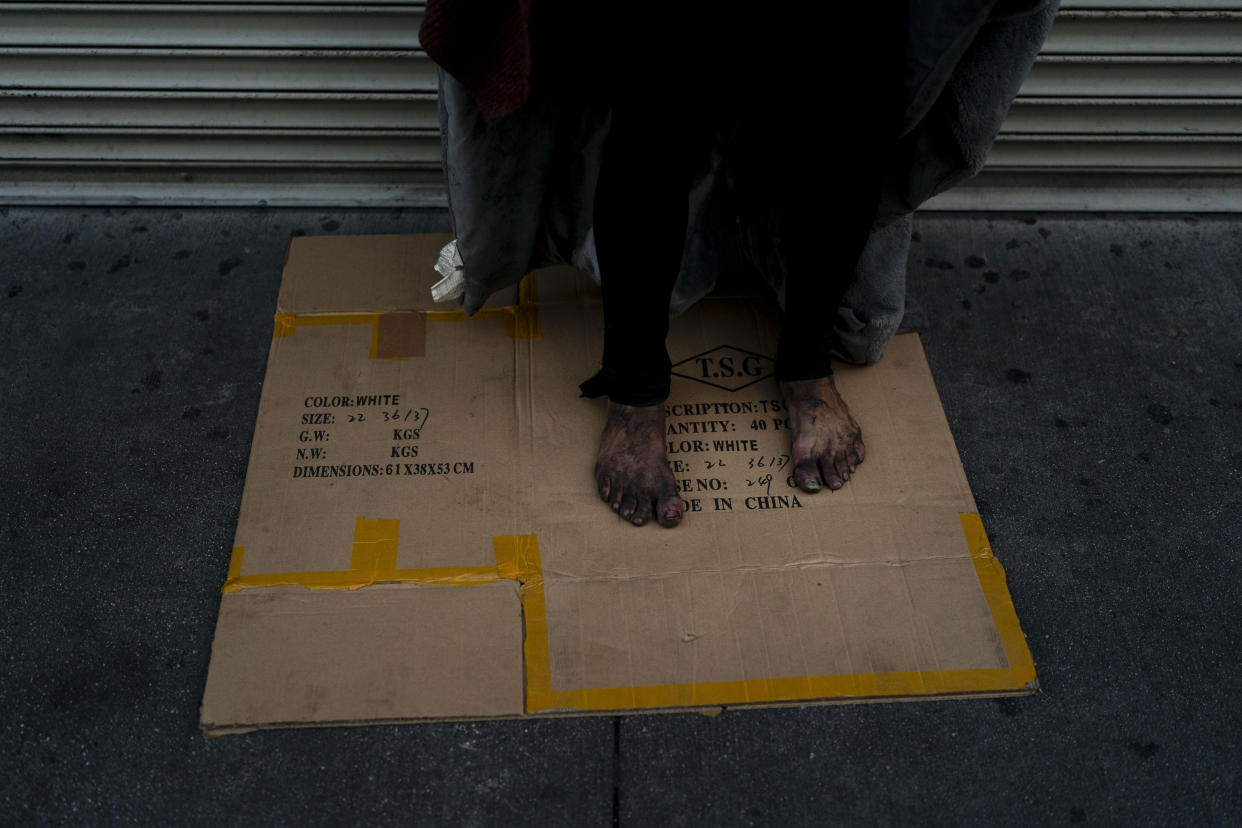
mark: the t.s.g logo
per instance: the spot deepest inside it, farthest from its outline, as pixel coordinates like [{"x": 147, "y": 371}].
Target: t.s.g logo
[{"x": 726, "y": 367}]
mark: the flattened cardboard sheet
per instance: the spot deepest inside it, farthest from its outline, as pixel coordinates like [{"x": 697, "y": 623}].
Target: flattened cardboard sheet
[{"x": 420, "y": 536}]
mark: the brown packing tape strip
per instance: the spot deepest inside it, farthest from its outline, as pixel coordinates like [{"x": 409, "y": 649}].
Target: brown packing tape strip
[{"x": 401, "y": 334}]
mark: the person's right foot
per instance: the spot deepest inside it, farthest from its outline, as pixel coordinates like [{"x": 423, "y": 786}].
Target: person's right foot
[{"x": 632, "y": 471}]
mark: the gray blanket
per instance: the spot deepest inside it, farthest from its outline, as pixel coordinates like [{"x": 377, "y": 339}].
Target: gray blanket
[{"x": 521, "y": 189}]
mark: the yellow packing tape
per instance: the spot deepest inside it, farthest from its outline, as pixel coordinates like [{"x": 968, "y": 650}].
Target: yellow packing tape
[
  {"x": 996, "y": 591},
  {"x": 521, "y": 321},
  {"x": 374, "y": 560},
  {"x": 517, "y": 556},
  {"x": 520, "y": 555},
  {"x": 288, "y": 323}
]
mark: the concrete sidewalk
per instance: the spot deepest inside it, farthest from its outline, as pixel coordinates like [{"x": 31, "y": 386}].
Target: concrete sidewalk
[{"x": 1090, "y": 368}]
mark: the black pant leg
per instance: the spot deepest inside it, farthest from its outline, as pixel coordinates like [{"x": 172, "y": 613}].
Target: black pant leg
[
  {"x": 641, "y": 211},
  {"x": 818, "y": 162}
]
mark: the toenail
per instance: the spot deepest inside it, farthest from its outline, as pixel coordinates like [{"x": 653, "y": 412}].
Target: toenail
[{"x": 811, "y": 485}]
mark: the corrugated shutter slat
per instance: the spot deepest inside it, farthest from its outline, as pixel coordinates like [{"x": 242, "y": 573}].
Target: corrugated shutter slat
[
  {"x": 217, "y": 103},
  {"x": 1134, "y": 104}
]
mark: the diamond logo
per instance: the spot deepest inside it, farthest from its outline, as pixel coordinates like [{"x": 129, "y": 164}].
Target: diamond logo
[{"x": 726, "y": 367}]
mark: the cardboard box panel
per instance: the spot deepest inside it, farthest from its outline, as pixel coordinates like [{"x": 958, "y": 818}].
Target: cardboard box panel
[
  {"x": 342, "y": 435},
  {"x": 361, "y": 274},
  {"x": 296, "y": 656},
  {"x": 420, "y": 535}
]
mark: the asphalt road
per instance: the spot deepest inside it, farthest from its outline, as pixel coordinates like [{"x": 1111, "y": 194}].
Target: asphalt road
[{"x": 1091, "y": 371}]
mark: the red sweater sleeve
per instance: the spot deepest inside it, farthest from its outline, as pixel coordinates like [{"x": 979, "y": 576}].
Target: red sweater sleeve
[{"x": 486, "y": 46}]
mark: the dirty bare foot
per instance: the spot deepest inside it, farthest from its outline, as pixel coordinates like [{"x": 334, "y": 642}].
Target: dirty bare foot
[
  {"x": 632, "y": 471},
  {"x": 827, "y": 443}
]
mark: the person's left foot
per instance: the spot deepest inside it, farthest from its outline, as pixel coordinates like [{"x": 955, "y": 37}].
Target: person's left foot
[
  {"x": 632, "y": 472},
  {"x": 827, "y": 443}
]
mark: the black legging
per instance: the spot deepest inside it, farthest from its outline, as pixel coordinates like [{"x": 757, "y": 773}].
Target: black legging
[{"x": 809, "y": 155}]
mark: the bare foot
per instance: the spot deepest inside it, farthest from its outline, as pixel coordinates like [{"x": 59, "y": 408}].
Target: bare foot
[
  {"x": 827, "y": 443},
  {"x": 632, "y": 471}
]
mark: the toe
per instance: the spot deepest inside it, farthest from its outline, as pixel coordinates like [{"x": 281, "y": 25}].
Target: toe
[
  {"x": 642, "y": 512},
  {"x": 604, "y": 482},
  {"x": 831, "y": 479},
  {"x": 669, "y": 509},
  {"x": 843, "y": 467},
  {"x": 628, "y": 504},
  {"x": 807, "y": 476},
  {"x": 860, "y": 450}
]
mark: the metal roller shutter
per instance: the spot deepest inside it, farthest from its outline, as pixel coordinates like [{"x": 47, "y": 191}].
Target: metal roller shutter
[
  {"x": 1133, "y": 105},
  {"x": 220, "y": 103}
]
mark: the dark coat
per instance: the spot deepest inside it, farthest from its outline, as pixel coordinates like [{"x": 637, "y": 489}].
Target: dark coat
[{"x": 521, "y": 166}]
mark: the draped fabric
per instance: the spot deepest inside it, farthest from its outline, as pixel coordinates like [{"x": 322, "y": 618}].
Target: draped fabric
[{"x": 521, "y": 156}]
